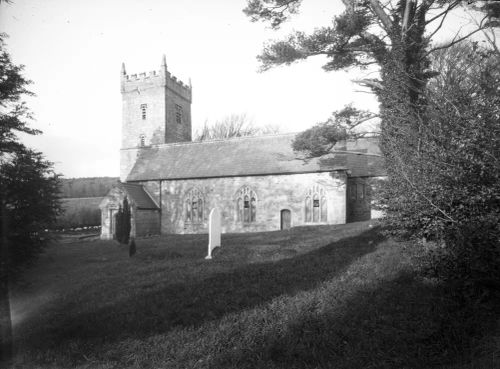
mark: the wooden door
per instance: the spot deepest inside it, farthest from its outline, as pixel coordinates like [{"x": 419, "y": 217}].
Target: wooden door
[{"x": 286, "y": 219}]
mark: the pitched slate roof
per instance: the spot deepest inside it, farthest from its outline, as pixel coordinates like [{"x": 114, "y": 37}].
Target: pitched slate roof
[
  {"x": 247, "y": 156},
  {"x": 138, "y": 195}
]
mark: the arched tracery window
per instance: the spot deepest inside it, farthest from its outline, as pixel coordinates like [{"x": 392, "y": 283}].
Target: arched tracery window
[
  {"x": 246, "y": 205},
  {"x": 194, "y": 206},
  {"x": 315, "y": 209}
]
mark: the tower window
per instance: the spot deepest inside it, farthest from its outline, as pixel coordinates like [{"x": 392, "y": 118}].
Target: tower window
[
  {"x": 143, "y": 111},
  {"x": 178, "y": 114},
  {"x": 142, "y": 140}
]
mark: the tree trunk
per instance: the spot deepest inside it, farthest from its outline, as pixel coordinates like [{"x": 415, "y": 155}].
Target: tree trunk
[{"x": 5, "y": 316}]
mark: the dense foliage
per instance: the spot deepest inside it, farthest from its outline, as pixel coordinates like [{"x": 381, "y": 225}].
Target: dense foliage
[
  {"x": 30, "y": 196},
  {"x": 79, "y": 212},
  {"x": 123, "y": 223},
  {"x": 86, "y": 187},
  {"x": 29, "y": 188},
  {"x": 320, "y": 139},
  {"x": 447, "y": 189},
  {"x": 439, "y": 136}
]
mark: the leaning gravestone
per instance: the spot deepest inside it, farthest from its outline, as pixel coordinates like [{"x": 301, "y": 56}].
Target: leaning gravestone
[{"x": 213, "y": 231}]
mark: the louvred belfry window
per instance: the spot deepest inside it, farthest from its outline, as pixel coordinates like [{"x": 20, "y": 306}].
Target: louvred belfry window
[{"x": 178, "y": 114}]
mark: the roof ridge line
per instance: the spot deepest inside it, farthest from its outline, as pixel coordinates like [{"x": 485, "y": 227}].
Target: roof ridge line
[
  {"x": 233, "y": 139},
  {"x": 217, "y": 140}
]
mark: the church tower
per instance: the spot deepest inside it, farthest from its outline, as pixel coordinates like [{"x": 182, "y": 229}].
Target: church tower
[{"x": 156, "y": 110}]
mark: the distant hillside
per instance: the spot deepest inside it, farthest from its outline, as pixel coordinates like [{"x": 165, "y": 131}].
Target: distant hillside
[
  {"x": 80, "y": 212},
  {"x": 87, "y": 187}
]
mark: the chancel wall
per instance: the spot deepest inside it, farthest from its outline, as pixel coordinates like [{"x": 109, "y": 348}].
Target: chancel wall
[{"x": 272, "y": 193}]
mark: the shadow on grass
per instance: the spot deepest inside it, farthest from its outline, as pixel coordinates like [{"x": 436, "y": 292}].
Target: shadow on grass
[
  {"x": 403, "y": 323},
  {"x": 192, "y": 304}
]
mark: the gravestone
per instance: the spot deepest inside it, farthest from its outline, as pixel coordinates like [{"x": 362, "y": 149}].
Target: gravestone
[{"x": 214, "y": 230}]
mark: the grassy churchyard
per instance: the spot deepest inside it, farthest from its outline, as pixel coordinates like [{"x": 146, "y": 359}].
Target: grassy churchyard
[{"x": 311, "y": 297}]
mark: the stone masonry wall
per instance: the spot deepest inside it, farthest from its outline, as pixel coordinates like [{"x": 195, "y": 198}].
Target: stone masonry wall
[
  {"x": 143, "y": 222},
  {"x": 147, "y": 222},
  {"x": 128, "y": 157},
  {"x": 148, "y": 90},
  {"x": 160, "y": 92},
  {"x": 274, "y": 193},
  {"x": 177, "y": 132},
  {"x": 110, "y": 204}
]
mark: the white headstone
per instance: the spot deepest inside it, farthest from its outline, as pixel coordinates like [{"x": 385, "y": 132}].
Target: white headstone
[{"x": 213, "y": 231}]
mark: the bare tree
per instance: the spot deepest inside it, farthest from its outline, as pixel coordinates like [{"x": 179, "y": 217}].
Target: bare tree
[{"x": 234, "y": 125}]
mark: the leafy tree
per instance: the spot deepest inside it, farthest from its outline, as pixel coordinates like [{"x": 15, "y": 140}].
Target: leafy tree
[
  {"x": 87, "y": 187},
  {"x": 320, "y": 139},
  {"x": 394, "y": 35},
  {"x": 434, "y": 132},
  {"x": 123, "y": 222},
  {"x": 29, "y": 188},
  {"x": 450, "y": 192},
  {"x": 119, "y": 224},
  {"x": 235, "y": 125},
  {"x": 132, "y": 248},
  {"x": 127, "y": 226}
]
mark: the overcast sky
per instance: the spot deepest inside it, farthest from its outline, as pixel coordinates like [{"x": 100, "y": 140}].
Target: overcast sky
[{"x": 73, "y": 50}]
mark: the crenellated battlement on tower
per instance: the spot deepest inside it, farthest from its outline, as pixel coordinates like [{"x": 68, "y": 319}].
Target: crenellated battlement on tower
[
  {"x": 153, "y": 79},
  {"x": 156, "y": 109}
]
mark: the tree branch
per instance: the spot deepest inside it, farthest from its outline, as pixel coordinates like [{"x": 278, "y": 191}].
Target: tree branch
[
  {"x": 406, "y": 18},
  {"x": 439, "y": 26},
  {"x": 403, "y": 173},
  {"x": 446, "y": 11},
  {"x": 455, "y": 40},
  {"x": 491, "y": 40},
  {"x": 381, "y": 14},
  {"x": 369, "y": 83},
  {"x": 364, "y": 120}
]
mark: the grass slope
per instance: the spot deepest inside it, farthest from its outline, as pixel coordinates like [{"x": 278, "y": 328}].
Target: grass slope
[{"x": 312, "y": 297}]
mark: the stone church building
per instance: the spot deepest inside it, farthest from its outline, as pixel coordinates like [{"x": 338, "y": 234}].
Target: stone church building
[{"x": 258, "y": 183}]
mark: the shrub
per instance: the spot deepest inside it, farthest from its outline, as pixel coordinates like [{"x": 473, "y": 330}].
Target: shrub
[
  {"x": 123, "y": 223},
  {"x": 445, "y": 181}
]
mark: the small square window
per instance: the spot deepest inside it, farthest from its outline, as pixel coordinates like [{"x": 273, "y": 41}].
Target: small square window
[
  {"x": 316, "y": 203},
  {"x": 246, "y": 204}
]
